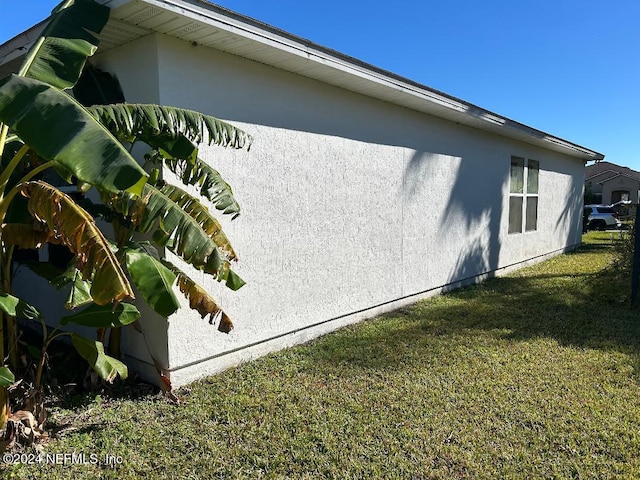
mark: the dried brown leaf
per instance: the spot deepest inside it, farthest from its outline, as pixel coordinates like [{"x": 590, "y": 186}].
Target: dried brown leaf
[
  {"x": 78, "y": 231},
  {"x": 225, "y": 325},
  {"x": 201, "y": 301},
  {"x": 28, "y": 236}
]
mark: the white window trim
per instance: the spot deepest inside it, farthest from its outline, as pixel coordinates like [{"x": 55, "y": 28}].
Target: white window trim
[{"x": 524, "y": 195}]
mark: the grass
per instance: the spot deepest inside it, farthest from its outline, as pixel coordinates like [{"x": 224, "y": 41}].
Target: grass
[{"x": 534, "y": 375}]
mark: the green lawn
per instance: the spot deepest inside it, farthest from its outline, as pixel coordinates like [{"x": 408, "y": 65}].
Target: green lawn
[{"x": 528, "y": 376}]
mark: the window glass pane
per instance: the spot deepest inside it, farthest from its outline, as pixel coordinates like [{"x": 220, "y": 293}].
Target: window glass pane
[
  {"x": 532, "y": 214},
  {"x": 515, "y": 214},
  {"x": 517, "y": 175},
  {"x": 533, "y": 168}
]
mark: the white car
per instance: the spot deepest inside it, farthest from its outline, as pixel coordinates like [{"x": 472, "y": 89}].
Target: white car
[{"x": 601, "y": 217}]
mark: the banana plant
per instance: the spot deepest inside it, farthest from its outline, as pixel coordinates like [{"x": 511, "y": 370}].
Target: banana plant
[
  {"x": 43, "y": 127},
  {"x": 175, "y": 219},
  {"x": 38, "y": 120},
  {"x": 178, "y": 221}
]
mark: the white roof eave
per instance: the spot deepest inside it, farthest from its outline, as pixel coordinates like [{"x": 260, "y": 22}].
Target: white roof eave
[{"x": 213, "y": 26}]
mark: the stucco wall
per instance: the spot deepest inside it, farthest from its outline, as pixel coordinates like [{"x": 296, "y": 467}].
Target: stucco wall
[{"x": 351, "y": 206}]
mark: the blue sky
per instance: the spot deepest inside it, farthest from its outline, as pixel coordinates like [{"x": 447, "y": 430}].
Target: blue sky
[{"x": 567, "y": 67}]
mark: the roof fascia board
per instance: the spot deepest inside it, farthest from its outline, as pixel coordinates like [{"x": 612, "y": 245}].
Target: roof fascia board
[
  {"x": 271, "y": 36},
  {"x": 433, "y": 102},
  {"x": 461, "y": 110}
]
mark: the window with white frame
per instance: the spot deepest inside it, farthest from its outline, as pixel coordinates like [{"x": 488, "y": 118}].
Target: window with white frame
[{"x": 523, "y": 195}]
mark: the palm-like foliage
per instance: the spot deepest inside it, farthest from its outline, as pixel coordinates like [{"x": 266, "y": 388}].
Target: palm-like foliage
[
  {"x": 33, "y": 97},
  {"x": 176, "y": 219},
  {"x": 59, "y": 214},
  {"x": 48, "y": 128},
  {"x": 75, "y": 143},
  {"x": 69, "y": 38},
  {"x": 176, "y": 130}
]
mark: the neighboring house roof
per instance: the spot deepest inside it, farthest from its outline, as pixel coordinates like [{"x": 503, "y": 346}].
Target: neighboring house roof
[
  {"x": 212, "y": 26},
  {"x": 607, "y": 170},
  {"x": 608, "y": 179},
  {"x": 605, "y": 174}
]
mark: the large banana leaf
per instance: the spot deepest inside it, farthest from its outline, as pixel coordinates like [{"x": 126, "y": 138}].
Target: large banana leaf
[
  {"x": 175, "y": 130},
  {"x": 93, "y": 352},
  {"x": 212, "y": 185},
  {"x": 103, "y": 316},
  {"x": 16, "y": 307},
  {"x": 58, "y": 128},
  {"x": 152, "y": 279},
  {"x": 80, "y": 289},
  {"x": 59, "y": 55},
  {"x": 180, "y": 222},
  {"x": 200, "y": 300},
  {"x": 177, "y": 225},
  {"x": 79, "y": 233}
]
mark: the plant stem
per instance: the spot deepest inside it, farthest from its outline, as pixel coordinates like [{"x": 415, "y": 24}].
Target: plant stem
[
  {"x": 4, "y": 408},
  {"x": 6, "y": 254},
  {"x": 114, "y": 346},
  {"x": 6, "y": 201},
  {"x": 6, "y": 173},
  {"x": 4, "y": 130},
  {"x": 32, "y": 55},
  {"x": 12, "y": 327},
  {"x": 41, "y": 360},
  {"x": 43, "y": 356}
]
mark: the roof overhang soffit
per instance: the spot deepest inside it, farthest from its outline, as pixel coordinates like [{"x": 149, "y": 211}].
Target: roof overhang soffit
[{"x": 212, "y": 26}]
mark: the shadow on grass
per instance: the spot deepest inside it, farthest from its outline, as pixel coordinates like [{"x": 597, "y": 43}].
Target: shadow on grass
[
  {"x": 583, "y": 310},
  {"x": 593, "y": 247}
]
